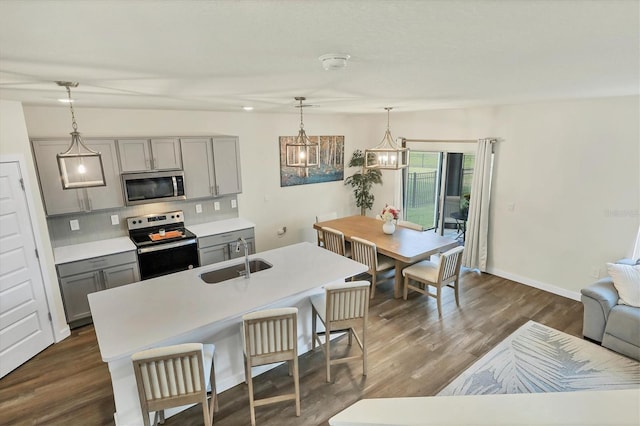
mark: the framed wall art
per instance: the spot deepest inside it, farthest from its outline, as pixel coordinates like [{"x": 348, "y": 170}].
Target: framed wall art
[{"x": 327, "y": 164}]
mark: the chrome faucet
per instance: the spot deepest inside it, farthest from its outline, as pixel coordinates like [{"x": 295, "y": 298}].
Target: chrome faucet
[{"x": 247, "y": 270}]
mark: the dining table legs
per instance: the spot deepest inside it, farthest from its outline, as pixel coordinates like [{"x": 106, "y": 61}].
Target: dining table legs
[{"x": 399, "y": 280}]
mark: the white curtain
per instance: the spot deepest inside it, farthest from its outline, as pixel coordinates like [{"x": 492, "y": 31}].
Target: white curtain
[
  {"x": 475, "y": 247},
  {"x": 635, "y": 255}
]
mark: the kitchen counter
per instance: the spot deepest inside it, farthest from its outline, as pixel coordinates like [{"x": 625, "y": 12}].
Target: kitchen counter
[
  {"x": 82, "y": 251},
  {"x": 75, "y": 252},
  {"x": 220, "y": 226},
  {"x": 180, "y": 308}
]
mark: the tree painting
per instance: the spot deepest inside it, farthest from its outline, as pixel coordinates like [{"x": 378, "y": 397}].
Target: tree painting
[{"x": 330, "y": 165}]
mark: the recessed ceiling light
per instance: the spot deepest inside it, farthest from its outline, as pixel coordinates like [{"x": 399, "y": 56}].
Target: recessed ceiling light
[
  {"x": 65, "y": 101},
  {"x": 247, "y": 108},
  {"x": 334, "y": 61}
]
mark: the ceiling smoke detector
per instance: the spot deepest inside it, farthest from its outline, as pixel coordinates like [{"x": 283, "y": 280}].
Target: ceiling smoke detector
[{"x": 334, "y": 61}]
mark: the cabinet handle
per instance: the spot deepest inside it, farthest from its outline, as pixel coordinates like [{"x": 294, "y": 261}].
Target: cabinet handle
[
  {"x": 90, "y": 205},
  {"x": 147, "y": 162},
  {"x": 217, "y": 189},
  {"x": 211, "y": 191},
  {"x": 155, "y": 163},
  {"x": 105, "y": 281}
]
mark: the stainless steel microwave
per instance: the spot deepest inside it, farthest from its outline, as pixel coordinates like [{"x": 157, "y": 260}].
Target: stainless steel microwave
[{"x": 153, "y": 187}]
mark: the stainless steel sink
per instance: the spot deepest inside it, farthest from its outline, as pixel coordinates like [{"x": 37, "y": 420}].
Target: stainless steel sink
[{"x": 234, "y": 271}]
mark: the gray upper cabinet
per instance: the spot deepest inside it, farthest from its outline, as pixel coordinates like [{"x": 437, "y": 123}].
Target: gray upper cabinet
[
  {"x": 211, "y": 166},
  {"x": 61, "y": 201},
  {"x": 141, "y": 155}
]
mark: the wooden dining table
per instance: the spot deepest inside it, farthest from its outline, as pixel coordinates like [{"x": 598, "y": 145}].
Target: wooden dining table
[{"x": 406, "y": 246}]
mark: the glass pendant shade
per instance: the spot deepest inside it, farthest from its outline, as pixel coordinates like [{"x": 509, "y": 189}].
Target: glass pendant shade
[
  {"x": 302, "y": 152},
  {"x": 387, "y": 155},
  {"x": 80, "y": 167}
]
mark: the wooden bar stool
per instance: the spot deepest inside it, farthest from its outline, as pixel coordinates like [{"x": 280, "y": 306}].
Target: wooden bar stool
[
  {"x": 172, "y": 376},
  {"x": 343, "y": 307},
  {"x": 271, "y": 336}
]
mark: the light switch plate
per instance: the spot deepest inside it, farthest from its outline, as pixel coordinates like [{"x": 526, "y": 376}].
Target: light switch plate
[
  {"x": 216, "y": 205},
  {"x": 234, "y": 204},
  {"x": 74, "y": 224},
  {"x": 198, "y": 208},
  {"x": 115, "y": 220}
]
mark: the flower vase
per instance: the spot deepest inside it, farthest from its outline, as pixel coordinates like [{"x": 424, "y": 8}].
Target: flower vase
[{"x": 388, "y": 227}]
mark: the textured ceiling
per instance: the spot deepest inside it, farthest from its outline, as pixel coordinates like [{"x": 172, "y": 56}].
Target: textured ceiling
[{"x": 412, "y": 55}]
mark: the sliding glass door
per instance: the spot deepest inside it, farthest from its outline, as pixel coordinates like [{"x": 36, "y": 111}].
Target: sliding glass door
[
  {"x": 437, "y": 189},
  {"x": 422, "y": 188}
]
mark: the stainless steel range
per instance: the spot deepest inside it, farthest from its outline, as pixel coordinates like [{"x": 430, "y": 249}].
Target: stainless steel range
[{"x": 164, "y": 244}]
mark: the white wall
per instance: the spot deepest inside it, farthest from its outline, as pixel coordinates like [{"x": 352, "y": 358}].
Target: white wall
[
  {"x": 14, "y": 141},
  {"x": 571, "y": 168}
]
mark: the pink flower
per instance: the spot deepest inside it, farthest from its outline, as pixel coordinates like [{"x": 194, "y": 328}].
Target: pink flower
[{"x": 390, "y": 212}]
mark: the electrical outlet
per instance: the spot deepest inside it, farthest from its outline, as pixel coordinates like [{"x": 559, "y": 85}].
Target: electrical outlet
[
  {"x": 74, "y": 224},
  {"x": 216, "y": 205},
  {"x": 198, "y": 208},
  {"x": 234, "y": 204},
  {"x": 115, "y": 220}
]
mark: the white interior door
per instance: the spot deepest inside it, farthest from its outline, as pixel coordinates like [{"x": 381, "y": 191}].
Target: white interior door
[{"x": 25, "y": 328}]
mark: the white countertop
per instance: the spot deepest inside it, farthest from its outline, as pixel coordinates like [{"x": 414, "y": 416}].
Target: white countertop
[
  {"x": 596, "y": 408},
  {"x": 220, "y": 226},
  {"x": 143, "y": 314},
  {"x": 83, "y": 251}
]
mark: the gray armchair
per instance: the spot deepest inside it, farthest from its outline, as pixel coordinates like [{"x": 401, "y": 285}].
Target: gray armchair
[{"x": 613, "y": 325}]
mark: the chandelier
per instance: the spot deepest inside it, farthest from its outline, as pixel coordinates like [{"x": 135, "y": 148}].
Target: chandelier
[
  {"x": 302, "y": 152},
  {"x": 387, "y": 155},
  {"x": 80, "y": 167}
]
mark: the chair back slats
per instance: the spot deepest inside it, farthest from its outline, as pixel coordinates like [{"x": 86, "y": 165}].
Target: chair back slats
[
  {"x": 167, "y": 377},
  {"x": 271, "y": 335},
  {"x": 450, "y": 262},
  {"x": 365, "y": 252},
  {"x": 346, "y": 304},
  {"x": 333, "y": 240}
]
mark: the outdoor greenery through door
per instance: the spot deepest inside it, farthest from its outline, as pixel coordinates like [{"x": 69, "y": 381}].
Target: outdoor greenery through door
[{"x": 424, "y": 184}]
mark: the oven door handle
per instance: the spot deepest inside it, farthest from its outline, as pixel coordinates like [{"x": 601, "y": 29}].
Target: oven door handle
[{"x": 166, "y": 246}]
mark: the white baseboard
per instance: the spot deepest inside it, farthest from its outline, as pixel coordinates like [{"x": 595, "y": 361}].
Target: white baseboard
[
  {"x": 62, "y": 334},
  {"x": 537, "y": 284}
]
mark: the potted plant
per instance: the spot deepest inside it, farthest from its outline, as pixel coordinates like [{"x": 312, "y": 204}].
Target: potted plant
[{"x": 362, "y": 181}]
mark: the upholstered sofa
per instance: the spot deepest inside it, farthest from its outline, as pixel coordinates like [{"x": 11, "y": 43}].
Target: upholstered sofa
[{"x": 615, "y": 326}]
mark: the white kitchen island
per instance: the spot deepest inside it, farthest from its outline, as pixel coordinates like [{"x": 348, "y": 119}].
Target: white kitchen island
[{"x": 180, "y": 307}]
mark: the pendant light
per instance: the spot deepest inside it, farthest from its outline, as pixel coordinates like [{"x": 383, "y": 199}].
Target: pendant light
[
  {"x": 80, "y": 167},
  {"x": 387, "y": 155},
  {"x": 302, "y": 152}
]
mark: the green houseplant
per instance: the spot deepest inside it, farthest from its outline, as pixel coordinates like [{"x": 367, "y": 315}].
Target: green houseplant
[{"x": 362, "y": 181}]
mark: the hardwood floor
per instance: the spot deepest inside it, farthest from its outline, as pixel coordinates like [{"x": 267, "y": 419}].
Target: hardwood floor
[{"x": 411, "y": 353}]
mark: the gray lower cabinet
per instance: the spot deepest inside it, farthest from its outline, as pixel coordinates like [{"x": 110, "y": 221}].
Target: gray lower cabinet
[
  {"x": 220, "y": 247},
  {"x": 78, "y": 279}
]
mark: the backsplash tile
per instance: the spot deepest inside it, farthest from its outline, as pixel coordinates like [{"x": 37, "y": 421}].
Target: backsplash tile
[{"x": 97, "y": 226}]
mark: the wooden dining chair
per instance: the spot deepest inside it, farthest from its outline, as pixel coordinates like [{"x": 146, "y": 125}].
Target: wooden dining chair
[
  {"x": 366, "y": 252},
  {"x": 322, "y": 218},
  {"x": 344, "y": 307},
  {"x": 411, "y": 225},
  {"x": 334, "y": 241},
  {"x": 172, "y": 376},
  {"x": 445, "y": 273},
  {"x": 271, "y": 336}
]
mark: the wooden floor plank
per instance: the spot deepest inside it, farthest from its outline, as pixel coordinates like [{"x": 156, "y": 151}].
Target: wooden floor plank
[{"x": 411, "y": 353}]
